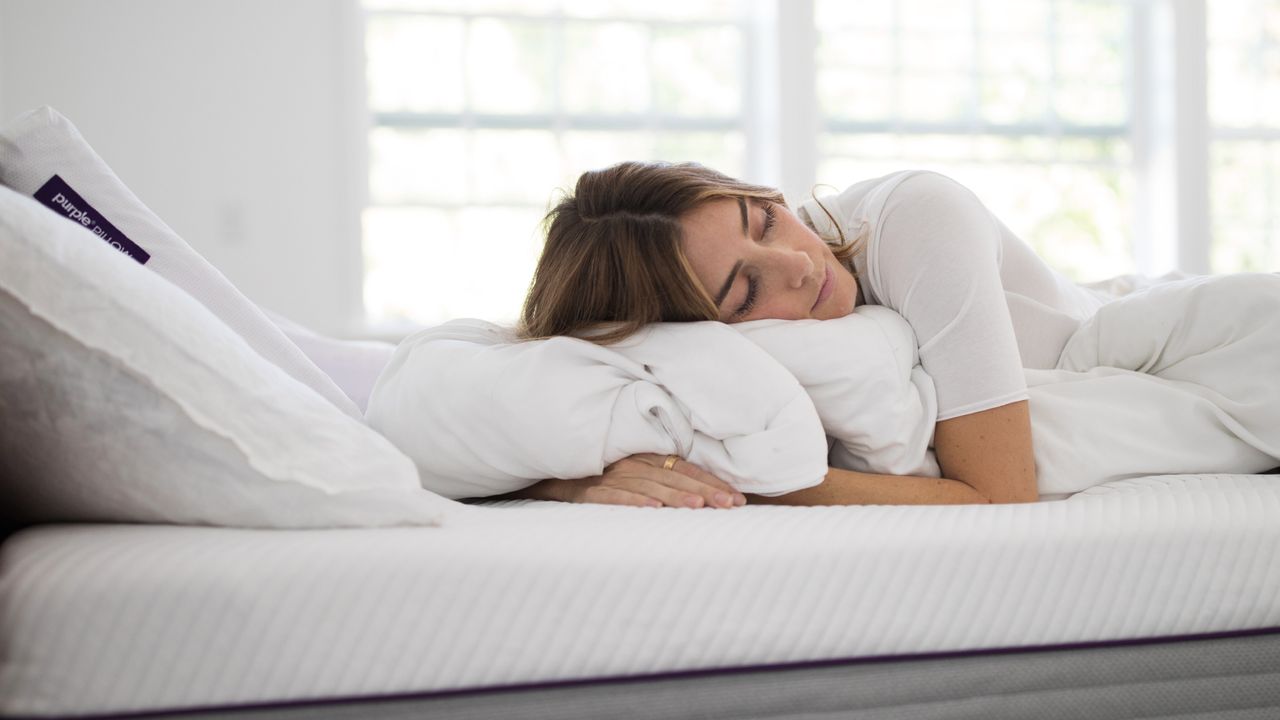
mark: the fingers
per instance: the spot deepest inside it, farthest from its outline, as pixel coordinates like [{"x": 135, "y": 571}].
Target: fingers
[
  {"x": 617, "y": 496},
  {"x": 684, "y": 485},
  {"x": 715, "y": 490},
  {"x": 656, "y": 493},
  {"x": 648, "y": 480}
]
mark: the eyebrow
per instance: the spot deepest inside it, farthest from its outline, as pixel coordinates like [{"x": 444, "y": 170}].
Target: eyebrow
[
  {"x": 733, "y": 274},
  {"x": 724, "y": 289}
]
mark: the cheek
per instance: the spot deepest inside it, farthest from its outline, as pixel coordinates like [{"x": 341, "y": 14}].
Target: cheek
[
  {"x": 853, "y": 293},
  {"x": 845, "y": 295}
]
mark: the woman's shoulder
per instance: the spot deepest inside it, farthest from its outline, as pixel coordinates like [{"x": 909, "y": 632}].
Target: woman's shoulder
[
  {"x": 865, "y": 200},
  {"x": 846, "y": 208},
  {"x": 860, "y": 189},
  {"x": 925, "y": 185}
]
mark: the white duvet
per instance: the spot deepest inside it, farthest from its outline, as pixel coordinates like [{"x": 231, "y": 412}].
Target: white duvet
[{"x": 1182, "y": 377}]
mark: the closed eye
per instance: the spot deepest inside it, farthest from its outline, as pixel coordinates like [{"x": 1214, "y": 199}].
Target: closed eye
[
  {"x": 753, "y": 289},
  {"x": 770, "y": 217}
]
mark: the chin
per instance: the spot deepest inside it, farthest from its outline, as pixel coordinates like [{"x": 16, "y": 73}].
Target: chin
[{"x": 840, "y": 310}]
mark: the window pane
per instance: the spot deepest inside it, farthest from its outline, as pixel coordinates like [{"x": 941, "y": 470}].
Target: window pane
[
  {"x": 1024, "y": 102},
  {"x": 720, "y": 151},
  {"x": 509, "y": 65},
  {"x": 1075, "y": 214},
  {"x": 415, "y": 64},
  {"x": 656, "y": 9},
  {"x": 856, "y": 48},
  {"x": 1018, "y": 18},
  {"x": 941, "y": 15},
  {"x": 1015, "y": 56},
  {"x": 935, "y": 98},
  {"x": 855, "y": 75},
  {"x": 1013, "y": 99},
  {"x": 1085, "y": 18},
  {"x": 1035, "y": 61},
  {"x": 400, "y": 269},
  {"x": 1246, "y": 193},
  {"x": 1091, "y": 70},
  {"x": 1090, "y": 103},
  {"x": 1244, "y": 108},
  {"x": 418, "y": 166},
  {"x": 513, "y": 166},
  {"x": 424, "y": 264},
  {"x": 1232, "y": 86},
  {"x": 696, "y": 70},
  {"x": 937, "y": 50},
  {"x": 606, "y": 68},
  {"x": 506, "y": 7},
  {"x": 589, "y": 149},
  {"x": 1244, "y": 62},
  {"x": 483, "y": 111},
  {"x": 839, "y": 16}
]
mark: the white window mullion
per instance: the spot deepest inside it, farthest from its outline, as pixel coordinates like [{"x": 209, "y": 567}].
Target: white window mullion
[
  {"x": 760, "y": 107},
  {"x": 1171, "y": 137},
  {"x": 797, "y": 98},
  {"x": 1191, "y": 103},
  {"x": 1153, "y": 238},
  {"x": 356, "y": 119}
]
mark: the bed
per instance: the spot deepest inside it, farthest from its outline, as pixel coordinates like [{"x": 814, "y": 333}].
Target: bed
[
  {"x": 1155, "y": 597},
  {"x": 203, "y": 525}
]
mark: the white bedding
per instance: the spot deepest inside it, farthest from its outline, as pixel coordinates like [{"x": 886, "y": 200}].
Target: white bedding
[
  {"x": 483, "y": 414},
  {"x": 1182, "y": 377},
  {"x": 128, "y": 618}
]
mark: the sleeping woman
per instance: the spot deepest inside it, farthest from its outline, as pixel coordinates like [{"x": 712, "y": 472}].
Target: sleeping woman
[{"x": 640, "y": 243}]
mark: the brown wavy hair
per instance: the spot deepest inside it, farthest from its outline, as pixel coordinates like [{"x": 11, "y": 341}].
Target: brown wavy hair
[{"x": 613, "y": 262}]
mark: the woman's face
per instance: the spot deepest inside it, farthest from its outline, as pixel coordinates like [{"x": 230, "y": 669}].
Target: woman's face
[{"x": 758, "y": 260}]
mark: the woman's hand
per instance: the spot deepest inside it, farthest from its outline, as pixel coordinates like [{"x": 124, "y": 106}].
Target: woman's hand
[{"x": 642, "y": 481}]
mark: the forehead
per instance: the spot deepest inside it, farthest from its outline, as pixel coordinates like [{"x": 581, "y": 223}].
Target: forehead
[
  {"x": 713, "y": 226},
  {"x": 713, "y": 241}
]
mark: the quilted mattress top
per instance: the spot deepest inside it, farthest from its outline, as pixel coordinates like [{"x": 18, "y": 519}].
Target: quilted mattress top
[{"x": 117, "y": 618}]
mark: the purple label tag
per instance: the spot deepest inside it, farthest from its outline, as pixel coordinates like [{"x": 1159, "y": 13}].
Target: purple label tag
[{"x": 58, "y": 196}]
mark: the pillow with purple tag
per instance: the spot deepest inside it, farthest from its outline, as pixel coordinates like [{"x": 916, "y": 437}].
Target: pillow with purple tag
[
  {"x": 44, "y": 156},
  {"x": 124, "y": 399}
]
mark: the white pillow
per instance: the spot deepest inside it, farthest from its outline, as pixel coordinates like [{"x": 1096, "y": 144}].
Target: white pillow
[
  {"x": 43, "y": 155},
  {"x": 354, "y": 365},
  {"x": 124, "y": 399}
]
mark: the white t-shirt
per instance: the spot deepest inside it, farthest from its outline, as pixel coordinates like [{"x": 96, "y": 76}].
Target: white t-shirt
[{"x": 982, "y": 303}]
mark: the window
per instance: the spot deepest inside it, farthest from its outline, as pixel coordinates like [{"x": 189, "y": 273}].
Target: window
[
  {"x": 1026, "y": 103},
  {"x": 481, "y": 109},
  {"x": 1068, "y": 117},
  {"x": 1244, "y": 103}
]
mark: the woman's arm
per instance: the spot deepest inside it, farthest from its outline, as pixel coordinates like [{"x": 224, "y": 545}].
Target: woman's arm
[
  {"x": 623, "y": 486},
  {"x": 991, "y": 452},
  {"x": 849, "y": 487},
  {"x": 985, "y": 457},
  {"x": 937, "y": 262}
]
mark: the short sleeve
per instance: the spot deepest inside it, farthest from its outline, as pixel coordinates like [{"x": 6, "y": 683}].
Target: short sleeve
[{"x": 934, "y": 256}]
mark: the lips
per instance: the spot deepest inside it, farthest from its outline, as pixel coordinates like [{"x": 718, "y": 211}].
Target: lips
[{"x": 825, "y": 291}]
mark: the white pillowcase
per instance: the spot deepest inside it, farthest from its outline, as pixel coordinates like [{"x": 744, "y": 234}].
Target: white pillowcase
[
  {"x": 43, "y": 155},
  {"x": 124, "y": 399},
  {"x": 354, "y": 365}
]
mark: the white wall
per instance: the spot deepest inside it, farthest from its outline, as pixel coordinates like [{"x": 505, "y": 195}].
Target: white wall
[{"x": 238, "y": 123}]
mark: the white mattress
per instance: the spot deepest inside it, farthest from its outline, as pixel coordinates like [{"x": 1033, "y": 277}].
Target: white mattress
[{"x": 97, "y": 618}]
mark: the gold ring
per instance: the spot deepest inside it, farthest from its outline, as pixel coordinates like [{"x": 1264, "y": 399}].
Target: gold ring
[{"x": 670, "y": 462}]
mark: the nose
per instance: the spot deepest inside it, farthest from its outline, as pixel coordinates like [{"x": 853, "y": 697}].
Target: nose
[{"x": 796, "y": 267}]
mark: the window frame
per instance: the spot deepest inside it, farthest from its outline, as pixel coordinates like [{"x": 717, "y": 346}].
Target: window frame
[
  {"x": 1169, "y": 128},
  {"x": 755, "y": 128}
]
